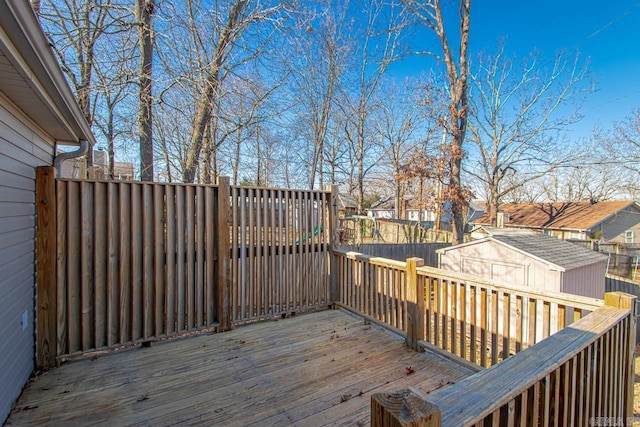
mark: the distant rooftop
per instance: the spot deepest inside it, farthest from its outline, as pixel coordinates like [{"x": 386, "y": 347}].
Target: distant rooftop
[{"x": 559, "y": 215}]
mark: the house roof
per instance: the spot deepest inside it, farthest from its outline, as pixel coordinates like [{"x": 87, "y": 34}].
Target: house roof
[
  {"x": 560, "y": 253},
  {"x": 559, "y": 215},
  {"x": 32, "y": 79},
  {"x": 347, "y": 201}
]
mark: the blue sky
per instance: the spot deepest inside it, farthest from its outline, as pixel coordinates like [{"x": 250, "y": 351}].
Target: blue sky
[{"x": 607, "y": 33}]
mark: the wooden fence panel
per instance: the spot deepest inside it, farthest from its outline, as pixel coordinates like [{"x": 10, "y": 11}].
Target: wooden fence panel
[
  {"x": 136, "y": 262},
  {"x": 279, "y": 252}
]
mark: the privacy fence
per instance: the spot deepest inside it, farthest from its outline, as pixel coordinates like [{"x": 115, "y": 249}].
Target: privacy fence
[{"x": 127, "y": 262}]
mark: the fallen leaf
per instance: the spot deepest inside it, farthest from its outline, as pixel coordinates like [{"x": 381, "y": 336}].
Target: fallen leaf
[
  {"x": 25, "y": 408},
  {"x": 345, "y": 397},
  {"x": 143, "y": 397},
  {"x": 361, "y": 393},
  {"x": 409, "y": 370}
]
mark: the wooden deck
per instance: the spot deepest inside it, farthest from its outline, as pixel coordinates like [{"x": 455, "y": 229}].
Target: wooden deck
[{"x": 312, "y": 369}]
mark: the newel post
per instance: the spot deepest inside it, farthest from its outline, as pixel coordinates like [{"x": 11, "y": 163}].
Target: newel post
[
  {"x": 46, "y": 249},
  {"x": 334, "y": 290},
  {"x": 415, "y": 304},
  {"x": 403, "y": 408},
  {"x": 622, "y": 300},
  {"x": 224, "y": 243}
]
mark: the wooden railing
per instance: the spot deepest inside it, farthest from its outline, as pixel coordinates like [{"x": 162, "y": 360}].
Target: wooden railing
[
  {"x": 582, "y": 374},
  {"x": 375, "y": 288},
  {"x": 484, "y": 322},
  {"x": 128, "y": 262},
  {"x": 552, "y": 358},
  {"x": 480, "y": 321}
]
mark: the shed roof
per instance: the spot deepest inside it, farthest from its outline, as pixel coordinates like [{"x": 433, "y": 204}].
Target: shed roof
[
  {"x": 562, "y": 254},
  {"x": 559, "y": 215}
]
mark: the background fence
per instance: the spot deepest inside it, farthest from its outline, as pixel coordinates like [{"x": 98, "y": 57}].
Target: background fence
[{"x": 400, "y": 251}]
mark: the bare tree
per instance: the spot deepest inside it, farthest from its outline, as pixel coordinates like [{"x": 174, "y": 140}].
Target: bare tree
[
  {"x": 380, "y": 47},
  {"x": 239, "y": 20},
  {"x": 517, "y": 116},
  {"x": 398, "y": 121},
  {"x": 320, "y": 48},
  {"x": 623, "y": 145},
  {"x": 144, "y": 17},
  {"x": 430, "y": 14}
]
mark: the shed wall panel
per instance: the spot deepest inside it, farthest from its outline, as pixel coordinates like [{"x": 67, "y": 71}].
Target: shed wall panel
[
  {"x": 492, "y": 260},
  {"x": 23, "y": 147}
]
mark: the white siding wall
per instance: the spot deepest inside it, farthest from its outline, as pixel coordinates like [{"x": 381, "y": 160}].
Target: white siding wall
[
  {"x": 22, "y": 148},
  {"x": 491, "y": 260}
]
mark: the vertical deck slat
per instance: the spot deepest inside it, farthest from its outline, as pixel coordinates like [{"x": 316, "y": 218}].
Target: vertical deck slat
[
  {"x": 159, "y": 260},
  {"x": 86, "y": 265},
  {"x": 125, "y": 215},
  {"x": 211, "y": 281},
  {"x": 101, "y": 262},
  {"x": 137, "y": 272},
  {"x": 181, "y": 259},
  {"x": 190, "y": 220},
  {"x": 113, "y": 270},
  {"x": 148, "y": 272},
  {"x": 170, "y": 259},
  {"x": 199, "y": 236},
  {"x": 62, "y": 276}
]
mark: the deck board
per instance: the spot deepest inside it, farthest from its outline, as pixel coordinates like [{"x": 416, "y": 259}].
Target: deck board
[{"x": 313, "y": 369}]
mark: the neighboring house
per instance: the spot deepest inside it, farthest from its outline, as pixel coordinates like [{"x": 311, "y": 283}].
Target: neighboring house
[
  {"x": 37, "y": 111},
  {"x": 528, "y": 259},
  {"x": 347, "y": 205},
  {"x": 613, "y": 222},
  {"x": 385, "y": 208}
]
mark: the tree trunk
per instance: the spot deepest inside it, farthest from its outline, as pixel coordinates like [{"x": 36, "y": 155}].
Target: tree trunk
[
  {"x": 205, "y": 104},
  {"x": 144, "y": 11}
]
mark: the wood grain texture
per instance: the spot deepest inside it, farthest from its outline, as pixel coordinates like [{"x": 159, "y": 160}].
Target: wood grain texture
[
  {"x": 46, "y": 291},
  {"x": 314, "y": 369}
]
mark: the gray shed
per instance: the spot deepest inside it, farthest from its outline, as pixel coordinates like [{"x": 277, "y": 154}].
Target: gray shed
[
  {"x": 526, "y": 259},
  {"x": 37, "y": 111}
]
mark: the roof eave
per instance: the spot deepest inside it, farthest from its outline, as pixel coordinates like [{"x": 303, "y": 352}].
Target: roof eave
[{"x": 28, "y": 49}]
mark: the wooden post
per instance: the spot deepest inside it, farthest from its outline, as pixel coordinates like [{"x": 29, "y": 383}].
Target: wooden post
[
  {"x": 224, "y": 278},
  {"x": 415, "y": 304},
  {"x": 46, "y": 291},
  {"x": 622, "y": 300},
  {"x": 334, "y": 290},
  {"x": 406, "y": 407}
]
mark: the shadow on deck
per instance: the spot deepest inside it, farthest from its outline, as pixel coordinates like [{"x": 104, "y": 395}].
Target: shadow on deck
[{"x": 313, "y": 369}]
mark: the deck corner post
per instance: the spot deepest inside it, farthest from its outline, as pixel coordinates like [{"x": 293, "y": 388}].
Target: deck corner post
[
  {"x": 415, "y": 304},
  {"x": 46, "y": 277},
  {"x": 627, "y": 301},
  {"x": 334, "y": 290},
  {"x": 403, "y": 408},
  {"x": 224, "y": 278}
]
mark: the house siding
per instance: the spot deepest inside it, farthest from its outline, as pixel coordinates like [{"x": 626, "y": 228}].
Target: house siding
[
  {"x": 626, "y": 220},
  {"x": 23, "y": 147}
]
